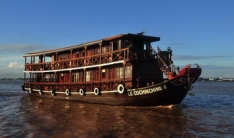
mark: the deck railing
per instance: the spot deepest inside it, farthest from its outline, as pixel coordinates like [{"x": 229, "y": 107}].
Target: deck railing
[
  {"x": 107, "y": 57},
  {"x": 165, "y": 68}
]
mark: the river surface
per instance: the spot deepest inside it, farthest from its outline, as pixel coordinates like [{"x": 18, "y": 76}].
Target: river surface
[{"x": 208, "y": 111}]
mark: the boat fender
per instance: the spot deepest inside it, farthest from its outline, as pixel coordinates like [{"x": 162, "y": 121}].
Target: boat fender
[
  {"x": 53, "y": 92},
  {"x": 96, "y": 91},
  {"x": 30, "y": 90},
  {"x": 120, "y": 88},
  {"x": 68, "y": 92},
  {"x": 23, "y": 88},
  {"x": 40, "y": 91},
  {"x": 82, "y": 92}
]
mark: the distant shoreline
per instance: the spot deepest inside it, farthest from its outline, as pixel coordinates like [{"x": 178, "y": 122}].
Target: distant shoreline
[{"x": 216, "y": 79}]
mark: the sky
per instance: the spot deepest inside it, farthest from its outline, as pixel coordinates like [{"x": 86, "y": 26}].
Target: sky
[{"x": 198, "y": 31}]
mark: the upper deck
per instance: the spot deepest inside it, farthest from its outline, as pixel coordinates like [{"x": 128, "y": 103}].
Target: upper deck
[{"x": 112, "y": 50}]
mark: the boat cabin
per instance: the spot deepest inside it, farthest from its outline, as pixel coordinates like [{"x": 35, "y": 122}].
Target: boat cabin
[{"x": 127, "y": 59}]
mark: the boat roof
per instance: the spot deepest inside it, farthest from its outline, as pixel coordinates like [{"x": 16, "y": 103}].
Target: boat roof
[{"x": 128, "y": 36}]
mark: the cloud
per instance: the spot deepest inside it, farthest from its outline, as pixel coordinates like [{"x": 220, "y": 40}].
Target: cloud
[
  {"x": 21, "y": 48},
  {"x": 10, "y": 57},
  {"x": 12, "y": 69},
  {"x": 15, "y": 65},
  {"x": 215, "y": 67},
  {"x": 191, "y": 57}
]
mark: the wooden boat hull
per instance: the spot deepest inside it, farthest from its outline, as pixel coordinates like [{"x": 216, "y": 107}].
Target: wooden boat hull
[{"x": 165, "y": 93}]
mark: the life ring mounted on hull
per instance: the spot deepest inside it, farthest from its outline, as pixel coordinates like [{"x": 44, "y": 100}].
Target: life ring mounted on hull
[
  {"x": 82, "y": 92},
  {"x": 121, "y": 88},
  {"x": 40, "y": 91},
  {"x": 30, "y": 90},
  {"x": 53, "y": 92},
  {"x": 96, "y": 91},
  {"x": 68, "y": 92}
]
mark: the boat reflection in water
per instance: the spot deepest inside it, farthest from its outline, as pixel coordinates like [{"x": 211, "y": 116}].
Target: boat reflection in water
[{"x": 58, "y": 118}]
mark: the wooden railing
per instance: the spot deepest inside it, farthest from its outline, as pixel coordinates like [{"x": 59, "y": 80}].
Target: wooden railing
[
  {"x": 166, "y": 68},
  {"x": 108, "y": 57}
]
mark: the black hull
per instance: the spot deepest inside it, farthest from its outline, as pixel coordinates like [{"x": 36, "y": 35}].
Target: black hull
[{"x": 166, "y": 93}]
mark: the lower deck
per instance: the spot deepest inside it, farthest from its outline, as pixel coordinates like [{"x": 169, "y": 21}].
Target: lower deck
[{"x": 106, "y": 78}]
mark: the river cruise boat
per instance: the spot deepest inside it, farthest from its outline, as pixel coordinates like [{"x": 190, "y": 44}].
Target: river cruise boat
[{"x": 120, "y": 70}]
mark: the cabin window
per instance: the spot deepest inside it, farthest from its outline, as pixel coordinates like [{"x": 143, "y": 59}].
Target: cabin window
[
  {"x": 33, "y": 60},
  {"x": 90, "y": 76},
  {"x": 103, "y": 73},
  {"x": 115, "y": 46},
  {"x": 128, "y": 72},
  {"x": 77, "y": 54},
  {"x": 89, "y": 52},
  {"x": 50, "y": 78},
  {"x": 119, "y": 72},
  {"x": 119, "y": 44},
  {"x": 96, "y": 51},
  {"x": 124, "y": 43},
  {"x": 47, "y": 77},
  {"x": 75, "y": 76},
  {"x": 105, "y": 49},
  {"x": 63, "y": 56},
  {"x": 38, "y": 77},
  {"x": 145, "y": 47}
]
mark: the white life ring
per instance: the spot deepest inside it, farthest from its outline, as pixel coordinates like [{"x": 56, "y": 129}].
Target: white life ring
[
  {"x": 40, "y": 91},
  {"x": 53, "y": 92},
  {"x": 82, "y": 92},
  {"x": 120, "y": 88},
  {"x": 68, "y": 92},
  {"x": 30, "y": 90},
  {"x": 96, "y": 91}
]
